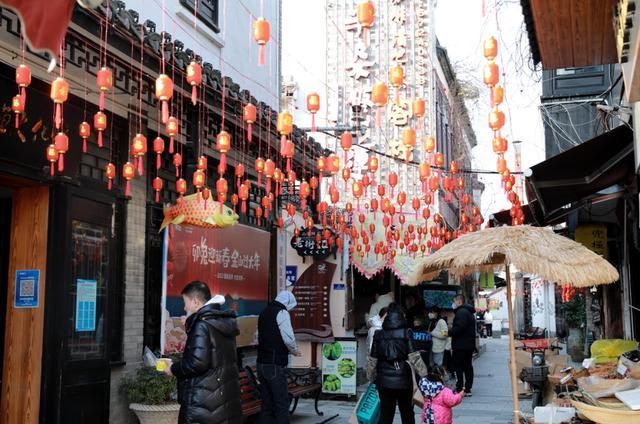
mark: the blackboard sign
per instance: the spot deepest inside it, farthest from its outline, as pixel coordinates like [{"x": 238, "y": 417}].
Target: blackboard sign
[{"x": 306, "y": 245}]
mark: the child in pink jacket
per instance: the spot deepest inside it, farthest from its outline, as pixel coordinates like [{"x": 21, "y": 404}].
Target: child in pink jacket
[{"x": 438, "y": 399}]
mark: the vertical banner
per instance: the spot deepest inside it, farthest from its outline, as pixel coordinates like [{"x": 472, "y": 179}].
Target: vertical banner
[
  {"x": 339, "y": 367},
  {"x": 311, "y": 319},
  {"x": 233, "y": 262}
]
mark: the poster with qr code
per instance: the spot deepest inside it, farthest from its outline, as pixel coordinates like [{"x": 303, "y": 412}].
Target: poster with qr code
[{"x": 27, "y": 288}]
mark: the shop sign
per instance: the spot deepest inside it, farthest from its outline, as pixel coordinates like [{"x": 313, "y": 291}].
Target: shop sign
[
  {"x": 291, "y": 274},
  {"x": 307, "y": 244},
  {"x": 311, "y": 318},
  {"x": 339, "y": 367},
  {"x": 593, "y": 237},
  {"x": 27, "y": 288}
]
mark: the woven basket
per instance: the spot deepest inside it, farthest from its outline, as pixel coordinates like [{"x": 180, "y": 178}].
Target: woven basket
[
  {"x": 156, "y": 414},
  {"x": 606, "y": 415}
]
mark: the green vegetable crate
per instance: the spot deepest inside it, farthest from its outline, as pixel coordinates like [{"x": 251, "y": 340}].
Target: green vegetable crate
[{"x": 368, "y": 411}]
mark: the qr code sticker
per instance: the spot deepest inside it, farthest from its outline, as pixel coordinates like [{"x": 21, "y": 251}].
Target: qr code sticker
[{"x": 27, "y": 288}]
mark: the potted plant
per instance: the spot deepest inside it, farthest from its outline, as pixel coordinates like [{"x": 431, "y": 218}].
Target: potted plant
[
  {"x": 151, "y": 396},
  {"x": 575, "y": 318}
]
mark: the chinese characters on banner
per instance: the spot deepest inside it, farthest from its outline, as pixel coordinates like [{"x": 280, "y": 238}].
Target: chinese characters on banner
[
  {"x": 311, "y": 319},
  {"x": 234, "y": 262},
  {"x": 593, "y": 237}
]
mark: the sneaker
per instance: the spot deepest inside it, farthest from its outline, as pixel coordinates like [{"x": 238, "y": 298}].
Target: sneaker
[{"x": 467, "y": 394}]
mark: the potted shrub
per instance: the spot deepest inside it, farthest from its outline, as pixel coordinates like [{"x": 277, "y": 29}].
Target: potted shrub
[
  {"x": 151, "y": 396},
  {"x": 575, "y": 317}
]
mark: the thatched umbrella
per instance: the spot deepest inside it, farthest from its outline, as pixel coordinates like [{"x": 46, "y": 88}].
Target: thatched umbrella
[{"x": 530, "y": 249}]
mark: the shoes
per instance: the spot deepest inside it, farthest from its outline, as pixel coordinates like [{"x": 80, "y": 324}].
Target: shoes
[{"x": 467, "y": 394}]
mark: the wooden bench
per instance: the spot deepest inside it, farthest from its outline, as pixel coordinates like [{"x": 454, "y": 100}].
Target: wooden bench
[
  {"x": 301, "y": 383},
  {"x": 249, "y": 396}
]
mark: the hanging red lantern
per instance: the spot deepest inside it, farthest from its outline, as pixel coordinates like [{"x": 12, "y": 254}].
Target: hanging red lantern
[
  {"x": 181, "y": 189},
  {"x": 52, "y": 157},
  {"x": 418, "y": 107},
  {"x": 409, "y": 141},
  {"x": 497, "y": 92},
  {"x": 158, "y": 148},
  {"x": 501, "y": 164},
  {"x": 291, "y": 179},
  {"x": 222, "y": 189},
  {"x": 17, "y": 107},
  {"x": 430, "y": 144},
  {"x": 243, "y": 194},
  {"x": 322, "y": 164},
  {"x": 424, "y": 171},
  {"x": 104, "y": 80},
  {"x": 223, "y": 145},
  {"x": 366, "y": 13},
  {"x": 138, "y": 150},
  {"x": 313, "y": 106},
  {"x": 100, "y": 124},
  {"x": 198, "y": 179},
  {"x": 84, "y": 129},
  {"x": 490, "y": 48},
  {"x": 453, "y": 167},
  {"x": 372, "y": 164},
  {"x": 393, "y": 181},
  {"x": 346, "y": 176},
  {"x": 500, "y": 145},
  {"x": 284, "y": 125},
  {"x": 496, "y": 119},
  {"x": 346, "y": 142},
  {"x": 128, "y": 172},
  {"x": 357, "y": 190},
  {"x": 23, "y": 79},
  {"x": 59, "y": 94},
  {"x": 396, "y": 78},
  {"x": 379, "y": 97},
  {"x": 261, "y": 33},
  {"x": 304, "y": 191},
  {"x": 157, "y": 187},
  {"x": 249, "y": 115},
  {"x": 239, "y": 173},
  {"x": 426, "y": 213},
  {"x": 194, "y": 78},
  {"x": 381, "y": 190},
  {"x": 287, "y": 152},
  {"x": 269, "y": 173},
  {"x": 164, "y": 93},
  {"x": 434, "y": 184},
  {"x": 402, "y": 199},
  {"x": 415, "y": 204},
  {"x": 110, "y": 173},
  {"x": 259, "y": 165},
  {"x": 460, "y": 183},
  {"x": 333, "y": 164},
  {"x": 173, "y": 128},
  {"x": 61, "y": 143},
  {"x": 491, "y": 74},
  {"x": 177, "y": 163}
]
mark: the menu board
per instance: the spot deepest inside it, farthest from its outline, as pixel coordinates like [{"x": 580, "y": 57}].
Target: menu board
[
  {"x": 311, "y": 319},
  {"x": 339, "y": 367}
]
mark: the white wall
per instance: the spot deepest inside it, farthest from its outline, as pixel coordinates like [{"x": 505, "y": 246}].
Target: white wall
[
  {"x": 543, "y": 311},
  {"x": 234, "y": 43}
]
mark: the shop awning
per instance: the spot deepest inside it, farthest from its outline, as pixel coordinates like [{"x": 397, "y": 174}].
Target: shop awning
[{"x": 581, "y": 173}]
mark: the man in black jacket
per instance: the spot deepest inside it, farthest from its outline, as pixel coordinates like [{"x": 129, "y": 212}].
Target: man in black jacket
[
  {"x": 208, "y": 382},
  {"x": 463, "y": 343}
]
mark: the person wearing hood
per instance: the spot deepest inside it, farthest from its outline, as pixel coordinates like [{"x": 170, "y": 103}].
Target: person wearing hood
[
  {"x": 391, "y": 347},
  {"x": 208, "y": 380},
  {"x": 463, "y": 343},
  {"x": 375, "y": 324},
  {"x": 383, "y": 299},
  {"x": 275, "y": 341},
  {"x": 438, "y": 399}
]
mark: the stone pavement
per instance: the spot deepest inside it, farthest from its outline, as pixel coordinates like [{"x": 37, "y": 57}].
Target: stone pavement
[{"x": 490, "y": 404}]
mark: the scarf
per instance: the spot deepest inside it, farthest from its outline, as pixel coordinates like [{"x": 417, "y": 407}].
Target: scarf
[{"x": 429, "y": 390}]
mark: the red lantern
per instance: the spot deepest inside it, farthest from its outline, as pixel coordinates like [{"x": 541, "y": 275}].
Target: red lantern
[
  {"x": 269, "y": 173},
  {"x": 61, "y": 143},
  {"x": 164, "y": 93},
  {"x": 365, "y": 12},
  {"x": 491, "y": 74},
  {"x": 222, "y": 188},
  {"x": 198, "y": 179},
  {"x": 104, "y": 79},
  {"x": 100, "y": 124},
  {"x": 194, "y": 78},
  {"x": 17, "y": 107},
  {"x": 157, "y": 187},
  {"x": 379, "y": 97},
  {"x": 497, "y": 92},
  {"x": 357, "y": 191},
  {"x": 223, "y": 145},
  {"x": 453, "y": 167},
  {"x": 439, "y": 160},
  {"x": 239, "y": 173},
  {"x": 158, "y": 148},
  {"x": 424, "y": 171},
  {"x": 430, "y": 144},
  {"x": 84, "y": 129},
  {"x": 496, "y": 119},
  {"x": 243, "y": 193},
  {"x": 249, "y": 114},
  {"x": 500, "y": 145},
  {"x": 393, "y": 181},
  {"x": 313, "y": 106},
  {"x": 177, "y": 163},
  {"x": 409, "y": 141},
  {"x": 490, "y": 48},
  {"x": 261, "y": 33},
  {"x": 128, "y": 172},
  {"x": 346, "y": 142},
  {"x": 59, "y": 94},
  {"x": 173, "y": 128},
  {"x": 501, "y": 165},
  {"x": 52, "y": 157},
  {"x": 396, "y": 77},
  {"x": 110, "y": 173},
  {"x": 418, "y": 108},
  {"x": 23, "y": 79},
  {"x": 181, "y": 189},
  {"x": 284, "y": 125},
  {"x": 372, "y": 164},
  {"x": 138, "y": 150},
  {"x": 313, "y": 183}
]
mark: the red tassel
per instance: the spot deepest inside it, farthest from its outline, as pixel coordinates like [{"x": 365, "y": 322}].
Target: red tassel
[
  {"x": 313, "y": 122},
  {"x": 379, "y": 116},
  {"x": 140, "y": 166},
  {"x": 157, "y": 196},
  {"x": 261, "y": 52},
  {"x": 223, "y": 161},
  {"x": 60, "y": 162},
  {"x": 158, "y": 164},
  {"x": 171, "y": 145},
  {"x": 99, "y": 138},
  {"x": 288, "y": 164},
  {"x": 58, "y": 117},
  {"x": 101, "y": 100},
  {"x": 109, "y": 184},
  {"x": 127, "y": 190},
  {"x": 23, "y": 94},
  {"x": 194, "y": 95},
  {"x": 365, "y": 36},
  {"x": 249, "y": 132},
  {"x": 220, "y": 203},
  {"x": 84, "y": 145},
  {"x": 165, "y": 111},
  {"x": 17, "y": 120},
  {"x": 177, "y": 171},
  {"x": 268, "y": 188},
  {"x": 313, "y": 194},
  {"x": 51, "y": 172},
  {"x": 243, "y": 207},
  {"x": 259, "y": 179}
]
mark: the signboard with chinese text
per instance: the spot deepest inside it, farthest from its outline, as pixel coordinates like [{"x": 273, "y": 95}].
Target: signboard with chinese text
[
  {"x": 311, "y": 319},
  {"x": 291, "y": 274},
  {"x": 593, "y": 237},
  {"x": 339, "y": 367},
  {"x": 234, "y": 262},
  {"x": 308, "y": 245},
  {"x": 86, "y": 295},
  {"x": 27, "y": 288}
]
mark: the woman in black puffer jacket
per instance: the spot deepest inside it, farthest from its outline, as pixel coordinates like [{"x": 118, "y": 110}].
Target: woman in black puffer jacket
[{"x": 391, "y": 347}]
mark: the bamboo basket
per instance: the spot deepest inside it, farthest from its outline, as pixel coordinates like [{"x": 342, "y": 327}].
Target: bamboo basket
[{"x": 606, "y": 415}]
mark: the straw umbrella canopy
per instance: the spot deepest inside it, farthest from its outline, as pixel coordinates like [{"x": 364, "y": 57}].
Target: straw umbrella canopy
[{"x": 533, "y": 250}]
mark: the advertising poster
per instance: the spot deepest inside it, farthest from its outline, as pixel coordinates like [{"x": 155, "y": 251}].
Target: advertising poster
[
  {"x": 339, "y": 367},
  {"x": 27, "y": 288},
  {"x": 86, "y": 305},
  {"x": 233, "y": 261},
  {"x": 311, "y": 319}
]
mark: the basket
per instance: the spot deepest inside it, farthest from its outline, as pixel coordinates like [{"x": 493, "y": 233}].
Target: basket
[
  {"x": 368, "y": 411},
  {"x": 534, "y": 374},
  {"x": 606, "y": 415},
  {"x": 156, "y": 414}
]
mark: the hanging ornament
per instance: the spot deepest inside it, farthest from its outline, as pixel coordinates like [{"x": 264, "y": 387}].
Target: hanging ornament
[
  {"x": 194, "y": 78},
  {"x": 304, "y": 192},
  {"x": 52, "y": 157},
  {"x": 17, "y": 107},
  {"x": 177, "y": 163},
  {"x": 418, "y": 107},
  {"x": 104, "y": 79},
  {"x": 157, "y": 187},
  {"x": 491, "y": 74},
  {"x": 396, "y": 78},
  {"x": 499, "y": 145},
  {"x": 313, "y": 183},
  {"x": 128, "y": 172},
  {"x": 288, "y": 152},
  {"x": 249, "y": 114},
  {"x": 138, "y": 150},
  {"x": 490, "y": 48},
  {"x": 409, "y": 142},
  {"x": 393, "y": 181},
  {"x": 181, "y": 189},
  {"x": 258, "y": 213},
  {"x": 59, "y": 94},
  {"x": 110, "y": 173},
  {"x": 453, "y": 167},
  {"x": 100, "y": 124},
  {"x": 496, "y": 119},
  {"x": 259, "y": 165},
  {"x": 429, "y": 144},
  {"x": 269, "y": 173},
  {"x": 223, "y": 145},
  {"x": 498, "y": 95},
  {"x": 284, "y": 125},
  {"x": 357, "y": 190},
  {"x": 366, "y": 15},
  {"x": 239, "y": 173},
  {"x": 313, "y": 106},
  {"x": 243, "y": 194},
  {"x": 84, "y": 129},
  {"x": 61, "y": 143},
  {"x": 172, "y": 127},
  {"x": 261, "y": 33},
  {"x": 198, "y": 179},
  {"x": 23, "y": 79},
  {"x": 164, "y": 93},
  {"x": 439, "y": 160},
  {"x": 158, "y": 149},
  {"x": 379, "y": 97},
  {"x": 346, "y": 142},
  {"x": 322, "y": 163}
]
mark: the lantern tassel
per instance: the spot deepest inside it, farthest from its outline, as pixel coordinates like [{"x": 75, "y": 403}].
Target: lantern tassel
[
  {"x": 140, "y": 166},
  {"x": 171, "y": 145},
  {"x": 58, "y": 117},
  {"x": 223, "y": 161},
  {"x": 288, "y": 164},
  {"x": 378, "y": 116},
  {"x": 17, "y": 120},
  {"x": 84, "y": 145},
  {"x": 109, "y": 184},
  {"x": 313, "y": 122},
  {"x": 23, "y": 95},
  {"x": 243, "y": 207},
  {"x": 127, "y": 190},
  {"x": 259, "y": 179},
  {"x": 158, "y": 160},
  {"x": 220, "y": 203},
  {"x": 60, "y": 162},
  {"x": 261, "y": 53},
  {"x": 51, "y": 170},
  {"x": 313, "y": 193},
  {"x": 157, "y": 196},
  {"x": 249, "y": 132},
  {"x": 99, "y": 138},
  {"x": 101, "y": 100},
  {"x": 177, "y": 171},
  {"x": 194, "y": 94},
  {"x": 165, "y": 111}
]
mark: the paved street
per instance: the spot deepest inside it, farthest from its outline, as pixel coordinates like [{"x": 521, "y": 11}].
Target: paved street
[{"x": 490, "y": 404}]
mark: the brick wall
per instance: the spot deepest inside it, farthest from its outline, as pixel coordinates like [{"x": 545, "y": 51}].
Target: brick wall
[{"x": 134, "y": 300}]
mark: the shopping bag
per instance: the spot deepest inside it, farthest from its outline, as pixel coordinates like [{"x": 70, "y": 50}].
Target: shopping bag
[{"x": 367, "y": 410}]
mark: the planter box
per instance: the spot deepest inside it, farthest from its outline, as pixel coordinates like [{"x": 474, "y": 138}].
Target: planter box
[{"x": 156, "y": 414}]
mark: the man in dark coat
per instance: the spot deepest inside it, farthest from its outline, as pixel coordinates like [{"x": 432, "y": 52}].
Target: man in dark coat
[
  {"x": 463, "y": 343},
  {"x": 391, "y": 347},
  {"x": 208, "y": 382}
]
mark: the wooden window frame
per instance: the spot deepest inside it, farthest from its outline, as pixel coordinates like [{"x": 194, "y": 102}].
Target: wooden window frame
[{"x": 211, "y": 22}]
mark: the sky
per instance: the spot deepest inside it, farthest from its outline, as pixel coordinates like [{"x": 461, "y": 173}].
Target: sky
[{"x": 460, "y": 28}]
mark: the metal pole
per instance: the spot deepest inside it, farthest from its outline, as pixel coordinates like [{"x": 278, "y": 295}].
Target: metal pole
[{"x": 512, "y": 351}]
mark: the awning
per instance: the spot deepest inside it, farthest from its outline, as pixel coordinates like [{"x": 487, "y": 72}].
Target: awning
[{"x": 580, "y": 173}]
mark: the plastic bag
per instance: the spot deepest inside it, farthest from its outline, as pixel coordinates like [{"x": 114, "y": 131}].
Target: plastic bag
[
  {"x": 605, "y": 351},
  {"x": 148, "y": 358},
  {"x": 602, "y": 387}
]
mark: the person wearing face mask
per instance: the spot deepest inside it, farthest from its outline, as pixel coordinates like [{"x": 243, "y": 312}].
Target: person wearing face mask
[
  {"x": 208, "y": 380},
  {"x": 463, "y": 343},
  {"x": 439, "y": 334}
]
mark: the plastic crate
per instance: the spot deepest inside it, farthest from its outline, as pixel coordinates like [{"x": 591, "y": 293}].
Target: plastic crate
[
  {"x": 368, "y": 411},
  {"x": 534, "y": 374}
]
